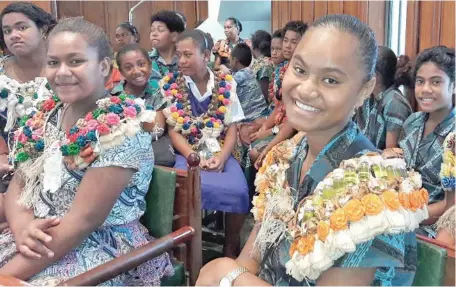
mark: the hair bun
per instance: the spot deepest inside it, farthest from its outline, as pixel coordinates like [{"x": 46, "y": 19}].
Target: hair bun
[{"x": 403, "y": 74}]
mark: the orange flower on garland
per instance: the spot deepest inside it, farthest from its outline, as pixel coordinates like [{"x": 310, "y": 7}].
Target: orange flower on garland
[
  {"x": 322, "y": 230},
  {"x": 372, "y": 204},
  {"x": 415, "y": 200},
  {"x": 391, "y": 200},
  {"x": 354, "y": 210},
  {"x": 404, "y": 200},
  {"x": 338, "y": 220},
  {"x": 306, "y": 244},
  {"x": 424, "y": 195}
]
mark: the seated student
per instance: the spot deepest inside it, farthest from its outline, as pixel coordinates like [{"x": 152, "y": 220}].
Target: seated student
[
  {"x": 126, "y": 34},
  {"x": 200, "y": 120},
  {"x": 331, "y": 73},
  {"x": 262, "y": 66},
  {"x": 135, "y": 66},
  {"x": 247, "y": 87},
  {"x": 382, "y": 115},
  {"x": 292, "y": 33},
  {"x": 80, "y": 206},
  {"x": 424, "y": 132}
]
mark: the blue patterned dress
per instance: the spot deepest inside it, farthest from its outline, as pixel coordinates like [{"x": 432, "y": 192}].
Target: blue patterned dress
[
  {"x": 120, "y": 233},
  {"x": 394, "y": 256},
  {"x": 424, "y": 153},
  {"x": 386, "y": 112}
]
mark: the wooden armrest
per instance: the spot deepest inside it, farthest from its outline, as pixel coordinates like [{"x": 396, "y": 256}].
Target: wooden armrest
[
  {"x": 6, "y": 280},
  {"x": 450, "y": 248},
  {"x": 131, "y": 260}
]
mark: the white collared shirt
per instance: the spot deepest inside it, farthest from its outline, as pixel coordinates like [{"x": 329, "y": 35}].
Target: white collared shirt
[{"x": 235, "y": 113}]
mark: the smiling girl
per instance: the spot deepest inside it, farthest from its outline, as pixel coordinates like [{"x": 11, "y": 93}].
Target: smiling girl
[
  {"x": 331, "y": 73},
  {"x": 424, "y": 132},
  {"x": 90, "y": 212},
  {"x": 135, "y": 66}
]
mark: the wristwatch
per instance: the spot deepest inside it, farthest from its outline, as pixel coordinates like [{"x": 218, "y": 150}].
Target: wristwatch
[
  {"x": 275, "y": 130},
  {"x": 229, "y": 278}
]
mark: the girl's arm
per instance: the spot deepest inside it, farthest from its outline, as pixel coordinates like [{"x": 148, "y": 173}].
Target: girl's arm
[
  {"x": 392, "y": 139},
  {"x": 230, "y": 142},
  {"x": 160, "y": 123},
  {"x": 438, "y": 209},
  {"x": 270, "y": 121},
  {"x": 179, "y": 142},
  {"x": 97, "y": 193},
  {"x": 18, "y": 216}
]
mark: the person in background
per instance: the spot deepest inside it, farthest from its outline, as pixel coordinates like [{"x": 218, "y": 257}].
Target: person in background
[
  {"x": 247, "y": 88},
  {"x": 165, "y": 27},
  {"x": 424, "y": 132},
  {"x": 201, "y": 121},
  {"x": 292, "y": 33},
  {"x": 126, "y": 33},
  {"x": 96, "y": 216},
  {"x": 262, "y": 66},
  {"x": 276, "y": 47},
  {"x": 382, "y": 115},
  {"x": 336, "y": 49},
  {"x": 24, "y": 31},
  {"x": 222, "y": 49},
  {"x": 135, "y": 66},
  {"x": 182, "y": 16}
]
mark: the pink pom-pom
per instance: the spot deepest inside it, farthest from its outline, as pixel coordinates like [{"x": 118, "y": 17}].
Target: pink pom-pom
[
  {"x": 228, "y": 87},
  {"x": 180, "y": 112},
  {"x": 173, "y": 86},
  {"x": 226, "y": 102},
  {"x": 173, "y": 109},
  {"x": 221, "y": 90}
]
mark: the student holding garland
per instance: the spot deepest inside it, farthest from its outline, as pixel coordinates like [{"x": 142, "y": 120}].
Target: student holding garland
[{"x": 202, "y": 116}]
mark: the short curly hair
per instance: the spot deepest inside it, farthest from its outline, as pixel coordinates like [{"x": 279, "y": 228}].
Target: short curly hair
[{"x": 172, "y": 21}]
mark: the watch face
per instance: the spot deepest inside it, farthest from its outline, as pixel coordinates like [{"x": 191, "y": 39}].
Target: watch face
[{"x": 225, "y": 282}]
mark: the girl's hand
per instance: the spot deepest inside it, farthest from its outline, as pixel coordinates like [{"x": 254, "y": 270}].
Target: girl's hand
[
  {"x": 216, "y": 164},
  {"x": 32, "y": 240},
  {"x": 259, "y": 135}
]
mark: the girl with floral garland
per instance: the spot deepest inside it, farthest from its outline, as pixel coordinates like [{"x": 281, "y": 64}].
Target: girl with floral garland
[
  {"x": 84, "y": 169},
  {"x": 331, "y": 73},
  {"x": 24, "y": 29},
  {"x": 222, "y": 49},
  {"x": 424, "y": 132},
  {"x": 135, "y": 66},
  {"x": 202, "y": 117}
]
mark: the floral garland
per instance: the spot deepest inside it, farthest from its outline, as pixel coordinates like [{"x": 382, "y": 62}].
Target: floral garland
[
  {"x": 113, "y": 120},
  {"x": 179, "y": 114},
  {"x": 366, "y": 197},
  {"x": 20, "y": 99},
  {"x": 448, "y": 169},
  {"x": 275, "y": 84}
]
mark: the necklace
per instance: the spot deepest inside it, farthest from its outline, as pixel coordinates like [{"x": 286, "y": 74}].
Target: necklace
[{"x": 179, "y": 115}]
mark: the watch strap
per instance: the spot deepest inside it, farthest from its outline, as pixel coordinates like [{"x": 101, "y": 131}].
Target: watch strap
[{"x": 236, "y": 273}]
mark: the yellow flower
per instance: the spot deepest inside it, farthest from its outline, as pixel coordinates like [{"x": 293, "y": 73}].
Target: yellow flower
[
  {"x": 372, "y": 204},
  {"x": 424, "y": 195},
  {"x": 180, "y": 120},
  {"x": 445, "y": 170},
  {"x": 415, "y": 200},
  {"x": 391, "y": 200},
  {"x": 216, "y": 125},
  {"x": 175, "y": 115},
  {"x": 354, "y": 210},
  {"x": 222, "y": 109},
  {"x": 221, "y": 97},
  {"x": 174, "y": 92},
  {"x": 166, "y": 79},
  {"x": 448, "y": 157},
  {"x": 338, "y": 220},
  {"x": 228, "y": 77}
]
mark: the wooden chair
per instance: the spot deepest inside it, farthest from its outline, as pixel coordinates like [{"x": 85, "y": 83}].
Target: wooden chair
[
  {"x": 436, "y": 263},
  {"x": 185, "y": 220}
]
